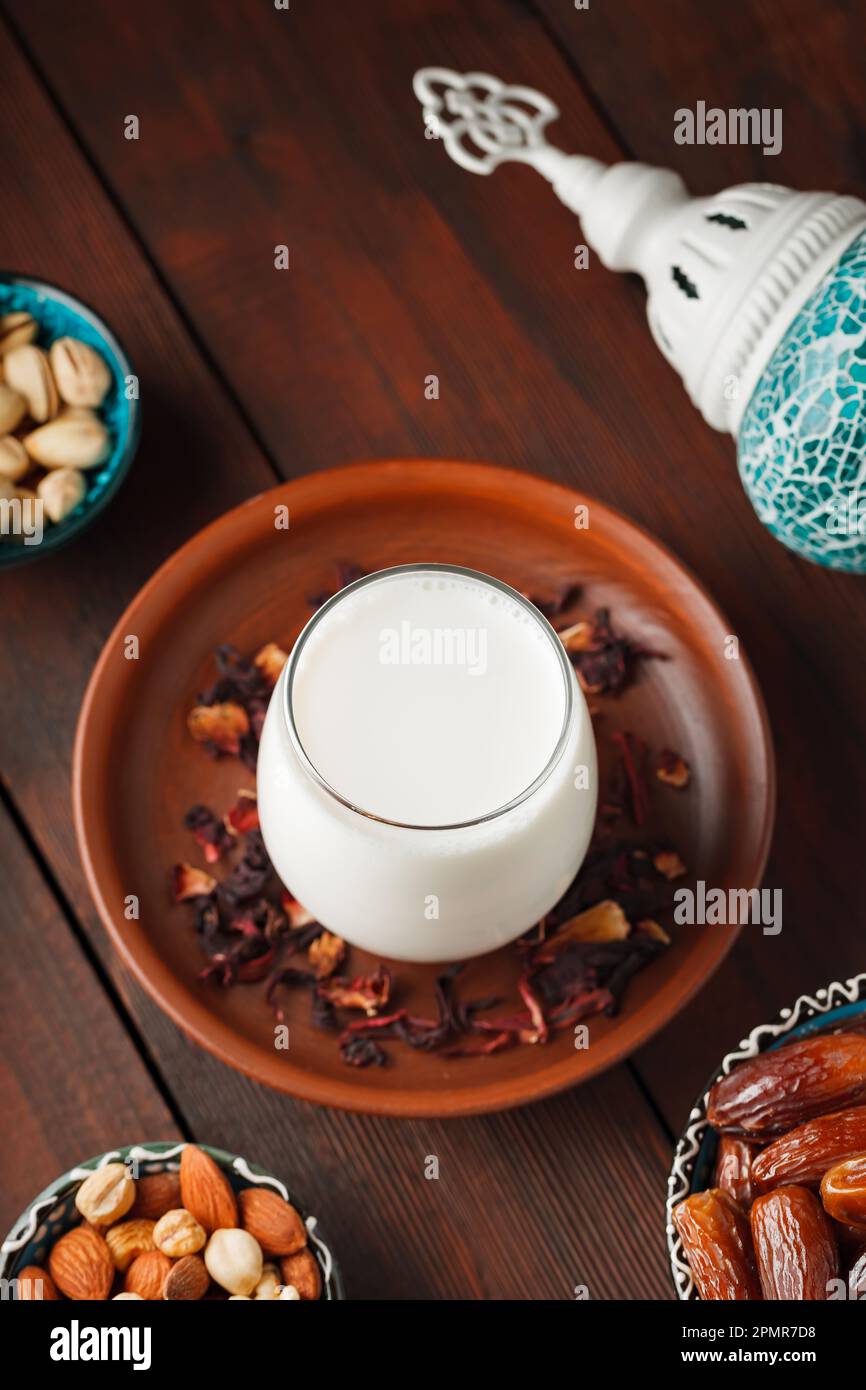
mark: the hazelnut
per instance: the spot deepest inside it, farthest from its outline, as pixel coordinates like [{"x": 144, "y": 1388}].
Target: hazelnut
[
  {"x": 234, "y": 1260},
  {"x": 178, "y": 1233},
  {"x": 106, "y": 1195},
  {"x": 119, "y": 1297},
  {"x": 128, "y": 1240},
  {"x": 266, "y": 1288}
]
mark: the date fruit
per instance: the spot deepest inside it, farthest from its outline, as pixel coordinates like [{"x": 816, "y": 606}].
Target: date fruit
[
  {"x": 735, "y": 1158},
  {"x": 777, "y": 1090},
  {"x": 843, "y": 1191},
  {"x": 804, "y": 1155},
  {"x": 795, "y": 1246},
  {"x": 718, "y": 1246}
]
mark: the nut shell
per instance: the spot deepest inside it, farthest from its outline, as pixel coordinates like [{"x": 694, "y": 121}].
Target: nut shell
[
  {"x": 81, "y": 1266},
  {"x": 106, "y": 1195},
  {"x": 13, "y": 408},
  {"x": 16, "y": 329},
  {"x": 275, "y": 1224},
  {"x": 28, "y": 372},
  {"x": 206, "y": 1191},
  {"x": 75, "y": 439},
  {"x": 14, "y": 462},
  {"x": 147, "y": 1275},
  {"x": 61, "y": 490},
  {"x": 82, "y": 375}
]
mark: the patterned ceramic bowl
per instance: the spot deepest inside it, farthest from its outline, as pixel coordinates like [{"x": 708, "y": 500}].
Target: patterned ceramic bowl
[
  {"x": 838, "y": 1005},
  {"x": 53, "y": 1212},
  {"x": 60, "y": 315}
]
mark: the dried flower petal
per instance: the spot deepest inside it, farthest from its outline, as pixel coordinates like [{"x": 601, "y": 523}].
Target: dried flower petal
[
  {"x": 212, "y": 834},
  {"x": 367, "y": 992},
  {"x": 606, "y": 921},
  {"x": 244, "y": 815},
  {"x": 325, "y": 953},
  {"x": 190, "y": 883},
  {"x": 577, "y": 638},
  {"x": 669, "y": 864},
  {"x": 298, "y": 916},
  {"x": 270, "y": 660},
  {"x": 652, "y": 929},
  {"x": 633, "y": 753},
  {"x": 223, "y": 726},
  {"x": 251, "y": 874},
  {"x": 673, "y": 770}
]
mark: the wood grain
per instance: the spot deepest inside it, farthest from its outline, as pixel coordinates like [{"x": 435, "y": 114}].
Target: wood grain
[
  {"x": 404, "y": 265},
  {"x": 523, "y": 1205},
  {"x": 72, "y": 1082}
]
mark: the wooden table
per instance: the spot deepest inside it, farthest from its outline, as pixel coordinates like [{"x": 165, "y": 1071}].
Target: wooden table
[{"x": 261, "y": 127}]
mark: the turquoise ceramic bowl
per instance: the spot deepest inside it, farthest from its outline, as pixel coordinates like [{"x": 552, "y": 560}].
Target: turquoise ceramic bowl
[
  {"x": 53, "y": 1212},
  {"x": 59, "y": 315},
  {"x": 840, "y": 1005}
]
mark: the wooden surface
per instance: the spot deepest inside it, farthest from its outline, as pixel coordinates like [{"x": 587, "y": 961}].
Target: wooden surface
[{"x": 261, "y": 127}]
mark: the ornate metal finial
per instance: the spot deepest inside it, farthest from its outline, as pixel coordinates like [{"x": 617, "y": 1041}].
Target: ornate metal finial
[{"x": 481, "y": 120}]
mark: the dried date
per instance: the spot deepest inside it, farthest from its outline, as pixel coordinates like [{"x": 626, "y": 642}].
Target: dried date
[
  {"x": 735, "y": 1158},
  {"x": 843, "y": 1191},
  {"x": 718, "y": 1246},
  {"x": 777, "y": 1090},
  {"x": 805, "y": 1153},
  {"x": 795, "y": 1246}
]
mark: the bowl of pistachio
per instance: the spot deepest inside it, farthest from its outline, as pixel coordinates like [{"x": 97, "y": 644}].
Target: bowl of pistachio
[{"x": 69, "y": 417}]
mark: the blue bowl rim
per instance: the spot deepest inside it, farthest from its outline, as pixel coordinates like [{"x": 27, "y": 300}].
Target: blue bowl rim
[
  {"x": 167, "y": 1150},
  {"x": 56, "y": 538},
  {"x": 809, "y": 1014}
]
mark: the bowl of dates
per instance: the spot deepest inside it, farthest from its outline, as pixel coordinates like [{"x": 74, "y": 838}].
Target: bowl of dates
[{"x": 767, "y": 1193}]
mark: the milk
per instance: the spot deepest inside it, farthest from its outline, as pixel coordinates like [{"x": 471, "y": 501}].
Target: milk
[{"x": 427, "y": 775}]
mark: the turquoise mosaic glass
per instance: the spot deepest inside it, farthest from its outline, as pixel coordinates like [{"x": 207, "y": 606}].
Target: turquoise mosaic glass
[{"x": 802, "y": 442}]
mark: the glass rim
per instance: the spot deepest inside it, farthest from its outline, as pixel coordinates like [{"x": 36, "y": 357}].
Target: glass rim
[{"x": 432, "y": 568}]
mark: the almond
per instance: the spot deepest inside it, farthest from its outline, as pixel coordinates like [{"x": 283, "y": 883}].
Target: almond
[
  {"x": 81, "y": 1266},
  {"x": 187, "y": 1280},
  {"x": 205, "y": 1190},
  {"x": 302, "y": 1272},
  {"x": 155, "y": 1195},
  {"x": 147, "y": 1274},
  {"x": 106, "y": 1195},
  {"x": 33, "y": 1284},
  {"x": 276, "y": 1226},
  {"x": 128, "y": 1240}
]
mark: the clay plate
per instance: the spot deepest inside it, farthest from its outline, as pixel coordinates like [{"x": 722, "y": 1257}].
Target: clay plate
[{"x": 241, "y": 580}]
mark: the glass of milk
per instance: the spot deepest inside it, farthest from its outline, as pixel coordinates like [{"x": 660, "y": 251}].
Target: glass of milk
[{"x": 427, "y": 775}]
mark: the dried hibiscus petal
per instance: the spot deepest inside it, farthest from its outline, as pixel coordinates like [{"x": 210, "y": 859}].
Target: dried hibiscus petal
[
  {"x": 668, "y": 863},
  {"x": 633, "y": 753},
  {"x": 298, "y": 916},
  {"x": 221, "y": 726},
  {"x": 325, "y": 952},
  {"x": 251, "y": 874},
  {"x": 367, "y": 992},
  {"x": 270, "y": 660},
  {"x": 673, "y": 770},
  {"x": 189, "y": 882},
  {"x": 209, "y": 831},
  {"x": 606, "y": 921},
  {"x": 362, "y": 1052},
  {"x": 244, "y": 815}
]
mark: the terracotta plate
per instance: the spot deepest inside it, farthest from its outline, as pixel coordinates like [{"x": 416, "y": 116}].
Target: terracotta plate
[{"x": 242, "y": 580}]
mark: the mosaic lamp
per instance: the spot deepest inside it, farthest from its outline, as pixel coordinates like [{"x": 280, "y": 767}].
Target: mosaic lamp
[{"x": 756, "y": 296}]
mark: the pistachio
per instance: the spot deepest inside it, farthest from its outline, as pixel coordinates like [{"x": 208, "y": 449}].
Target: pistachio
[
  {"x": 82, "y": 376},
  {"x": 14, "y": 462},
  {"x": 12, "y": 408},
  {"x": 234, "y": 1260},
  {"x": 61, "y": 490},
  {"x": 16, "y": 330},
  {"x": 76, "y": 439},
  {"x": 28, "y": 372},
  {"x": 8, "y": 490}
]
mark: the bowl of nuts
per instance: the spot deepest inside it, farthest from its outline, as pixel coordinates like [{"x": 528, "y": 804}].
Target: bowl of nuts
[
  {"x": 168, "y": 1221},
  {"x": 69, "y": 417},
  {"x": 767, "y": 1193}
]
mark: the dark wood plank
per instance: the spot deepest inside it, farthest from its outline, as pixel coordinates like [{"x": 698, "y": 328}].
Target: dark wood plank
[
  {"x": 403, "y": 265},
  {"x": 523, "y": 1206},
  {"x": 71, "y": 1080}
]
